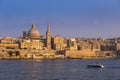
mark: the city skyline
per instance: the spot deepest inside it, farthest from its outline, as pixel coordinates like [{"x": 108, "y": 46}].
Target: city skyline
[{"x": 68, "y": 18}]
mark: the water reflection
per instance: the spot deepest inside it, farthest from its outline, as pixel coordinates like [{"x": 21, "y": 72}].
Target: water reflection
[{"x": 57, "y": 70}]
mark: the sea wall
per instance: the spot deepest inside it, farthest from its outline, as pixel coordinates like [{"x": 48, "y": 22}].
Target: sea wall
[
  {"x": 89, "y": 54},
  {"x": 79, "y": 54}
]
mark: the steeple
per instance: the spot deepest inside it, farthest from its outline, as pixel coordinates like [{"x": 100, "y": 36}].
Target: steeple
[
  {"x": 48, "y": 37},
  {"x": 48, "y": 28}
]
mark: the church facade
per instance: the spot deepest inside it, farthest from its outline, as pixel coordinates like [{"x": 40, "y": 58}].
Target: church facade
[{"x": 33, "y": 40}]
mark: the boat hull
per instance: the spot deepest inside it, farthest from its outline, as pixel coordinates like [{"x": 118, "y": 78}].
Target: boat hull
[{"x": 95, "y": 66}]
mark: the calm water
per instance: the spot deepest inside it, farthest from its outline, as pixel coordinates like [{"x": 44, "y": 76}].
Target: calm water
[{"x": 69, "y": 69}]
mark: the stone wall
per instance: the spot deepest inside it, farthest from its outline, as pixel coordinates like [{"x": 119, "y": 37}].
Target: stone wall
[
  {"x": 89, "y": 54},
  {"x": 79, "y": 54}
]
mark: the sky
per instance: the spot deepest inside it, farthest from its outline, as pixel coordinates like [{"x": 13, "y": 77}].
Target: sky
[{"x": 68, "y": 18}]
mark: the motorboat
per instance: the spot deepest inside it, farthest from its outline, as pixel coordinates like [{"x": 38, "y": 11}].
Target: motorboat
[{"x": 95, "y": 66}]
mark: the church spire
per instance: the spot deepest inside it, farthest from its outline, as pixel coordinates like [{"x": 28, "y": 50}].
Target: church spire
[
  {"x": 48, "y": 37},
  {"x": 48, "y": 28}
]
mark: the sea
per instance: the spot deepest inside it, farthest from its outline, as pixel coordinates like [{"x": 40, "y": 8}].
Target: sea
[{"x": 59, "y": 69}]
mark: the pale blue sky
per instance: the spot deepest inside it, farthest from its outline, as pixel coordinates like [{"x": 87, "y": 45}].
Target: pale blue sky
[{"x": 68, "y": 18}]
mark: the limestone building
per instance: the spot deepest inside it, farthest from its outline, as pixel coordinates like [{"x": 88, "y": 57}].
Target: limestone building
[
  {"x": 96, "y": 47},
  {"x": 72, "y": 44},
  {"x": 33, "y": 40},
  {"x": 33, "y": 33},
  {"x": 83, "y": 46},
  {"x": 59, "y": 43},
  {"x": 9, "y": 42},
  {"x": 31, "y": 44},
  {"x": 48, "y": 38}
]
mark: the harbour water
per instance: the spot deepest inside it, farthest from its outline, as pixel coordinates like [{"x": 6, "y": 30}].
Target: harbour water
[{"x": 59, "y": 69}]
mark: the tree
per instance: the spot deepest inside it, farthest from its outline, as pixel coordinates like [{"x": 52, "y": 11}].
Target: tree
[
  {"x": 17, "y": 53},
  {"x": 10, "y": 53}
]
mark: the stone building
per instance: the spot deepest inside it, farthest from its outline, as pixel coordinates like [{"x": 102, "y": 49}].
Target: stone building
[
  {"x": 96, "y": 46},
  {"x": 59, "y": 43},
  {"x": 48, "y": 38},
  {"x": 84, "y": 46},
  {"x": 72, "y": 44},
  {"x": 33, "y": 33},
  {"x": 31, "y": 44},
  {"x": 117, "y": 46},
  {"x": 33, "y": 40},
  {"x": 108, "y": 46},
  {"x": 9, "y": 42}
]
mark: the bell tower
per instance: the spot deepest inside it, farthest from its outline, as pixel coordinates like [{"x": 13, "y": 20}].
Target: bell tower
[{"x": 48, "y": 37}]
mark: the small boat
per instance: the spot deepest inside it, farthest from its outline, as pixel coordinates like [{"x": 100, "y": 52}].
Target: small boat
[{"x": 95, "y": 66}]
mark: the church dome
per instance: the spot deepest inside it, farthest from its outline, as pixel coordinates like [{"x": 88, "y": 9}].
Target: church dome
[{"x": 33, "y": 33}]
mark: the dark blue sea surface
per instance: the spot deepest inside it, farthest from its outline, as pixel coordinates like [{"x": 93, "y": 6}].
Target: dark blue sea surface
[{"x": 59, "y": 69}]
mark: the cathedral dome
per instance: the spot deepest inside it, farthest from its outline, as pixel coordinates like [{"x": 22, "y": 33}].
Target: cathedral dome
[{"x": 33, "y": 33}]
